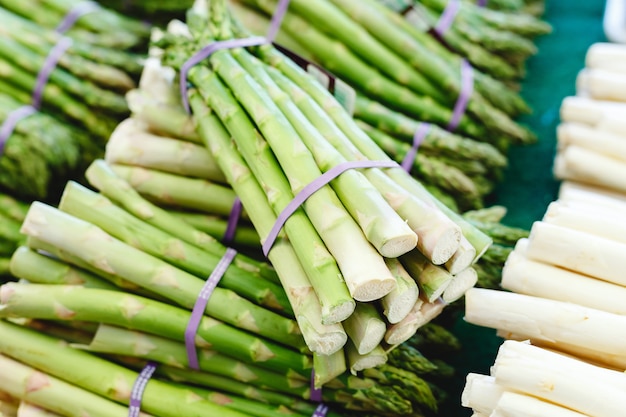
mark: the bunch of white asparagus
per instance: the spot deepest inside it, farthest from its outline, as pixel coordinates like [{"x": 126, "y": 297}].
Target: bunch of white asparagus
[
  {"x": 563, "y": 313},
  {"x": 591, "y": 139}
]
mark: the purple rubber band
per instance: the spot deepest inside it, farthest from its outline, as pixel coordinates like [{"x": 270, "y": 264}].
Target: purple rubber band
[
  {"x": 418, "y": 138},
  {"x": 316, "y": 393},
  {"x": 11, "y": 120},
  {"x": 76, "y": 13},
  {"x": 467, "y": 88},
  {"x": 233, "y": 219},
  {"x": 481, "y": 3},
  {"x": 138, "y": 388},
  {"x": 447, "y": 17},
  {"x": 205, "y": 52},
  {"x": 198, "y": 309},
  {"x": 311, "y": 188},
  {"x": 48, "y": 66}
]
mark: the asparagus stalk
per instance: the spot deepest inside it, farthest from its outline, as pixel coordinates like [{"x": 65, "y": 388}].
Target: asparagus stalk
[
  {"x": 459, "y": 285},
  {"x": 39, "y": 388},
  {"x": 118, "y": 341},
  {"x": 29, "y": 410},
  {"x": 383, "y": 227},
  {"x": 577, "y": 384},
  {"x": 525, "y": 276},
  {"x": 312, "y": 305},
  {"x": 131, "y": 144},
  {"x": 99, "y": 376},
  {"x": 577, "y": 251},
  {"x": 422, "y": 313},
  {"x": 365, "y": 328},
  {"x": 115, "y": 188},
  {"x": 545, "y": 320},
  {"x": 112, "y": 307},
  {"x": 431, "y": 279},
  {"x": 111, "y": 255},
  {"x": 96, "y": 209},
  {"x": 34, "y": 267},
  {"x": 398, "y": 303},
  {"x": 359, "y": 362}
]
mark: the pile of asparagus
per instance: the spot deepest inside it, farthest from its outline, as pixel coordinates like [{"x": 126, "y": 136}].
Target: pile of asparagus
[
  {"x": 77, "y": 100},
  {"x": 404, "y": 77},
  {"x": 564, "y": 287}
]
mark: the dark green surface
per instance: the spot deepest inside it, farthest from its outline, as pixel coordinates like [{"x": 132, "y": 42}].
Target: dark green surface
[{"x": 529, "y": 185}]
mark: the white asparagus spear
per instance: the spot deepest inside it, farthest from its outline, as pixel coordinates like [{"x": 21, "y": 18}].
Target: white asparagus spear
[
  {"x": 512, "y": 404},
  {"x": 589, "y": 111},
  {"x": 461, "y": 282},
  {"x": 544, "y": 319},
  {"x": 525, "y": 276},
  {"x": 576, "y": 191},
  {"x": 577, "y": 251},
  {"x": 576, "y": 163},
  {"x": 29, "y": 410},
  {"x": 481, "y": 393},
  {"x": 560, "y": 379},
  {"x": 605, "y": 143},
  {"x": 607, "y": 223},
  {"x": 601, "y": 84},
  {"x": 606, "y": 55},
  {"x": 616, "y": 362}
]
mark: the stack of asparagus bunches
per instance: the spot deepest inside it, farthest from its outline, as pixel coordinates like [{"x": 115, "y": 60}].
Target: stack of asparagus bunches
[
  {"x": 78, "y": 100},
  {"x": 382, "y": 56}
]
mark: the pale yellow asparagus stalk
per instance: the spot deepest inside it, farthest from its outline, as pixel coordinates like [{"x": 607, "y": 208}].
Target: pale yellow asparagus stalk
[
  {"x": 578, "y": 251},
  {"x": 481, "y": 393},
  {"x": 598, "y": 196},
  {"x": 399, "y": 302},
  {"x": 608, "y": 223},
  {"x": 459, "y": 285},
  {"x": 576, "y": 163},
  {"x": 519, "y": 405},
  {"x": 131, "y": 143},
  {"x": 358, "y": 362},
  {"x": 544, "y": 319},
  {"x": 365, "y": 327},
  {"x": 611, "y": 361},
  {"x": 606, "y": 55},
  {"x": 589, "y": 111},
  {"x": 605, "y": 143},
  {"x": 601, "y": 84},
  {"x": 572, "y": 383},
  {"x": 422, "y": 313},
  {"x": 525, "y": 276}
]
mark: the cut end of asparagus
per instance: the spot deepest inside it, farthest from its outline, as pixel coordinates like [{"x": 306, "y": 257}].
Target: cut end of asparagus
[
  {"x": 398, "y": 246},
  {"x": 459, "y": 285},
  {"x": 338, "y": 313},
  {"x": 444, "y": 247},
  {"x": 462, "y": 258},
  {"x": 373, "y": 289},
  {"x": 401, "y": 306}
]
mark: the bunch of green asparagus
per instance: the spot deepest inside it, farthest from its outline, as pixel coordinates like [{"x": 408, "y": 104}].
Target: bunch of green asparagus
[
  {"x": 79, "y": 98},
  {"x": 384, "y": 57}
]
